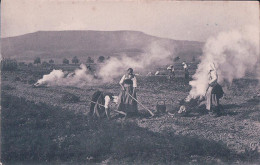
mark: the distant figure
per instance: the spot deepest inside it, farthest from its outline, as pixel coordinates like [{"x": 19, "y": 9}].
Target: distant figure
[
  {"x": 214, "y": 92},
  {"x": 186, "y": 71},
  {"x": 99, "y": 107},
  {"x": 149, "y": 74},
  {"x": 127, "y": 97},
  {"x": 157, "y": 73},
  {"x": 171, "y": 73}
]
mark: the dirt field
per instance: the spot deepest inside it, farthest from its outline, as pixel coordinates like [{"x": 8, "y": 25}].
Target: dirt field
[{"x": 38, "y": 127}]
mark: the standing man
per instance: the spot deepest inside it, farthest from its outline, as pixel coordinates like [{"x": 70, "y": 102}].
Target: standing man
[{"x": 186, "y": 71}]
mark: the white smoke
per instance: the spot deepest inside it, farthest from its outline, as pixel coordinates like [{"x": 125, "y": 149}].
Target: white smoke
[
  {"x": 234, "y": 53},
  {"x": 155, "y": 54},
  {"x": 79, "y": 78}
]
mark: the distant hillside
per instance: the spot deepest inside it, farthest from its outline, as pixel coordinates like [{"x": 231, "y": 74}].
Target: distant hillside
[{"x": 66, "y": 44}]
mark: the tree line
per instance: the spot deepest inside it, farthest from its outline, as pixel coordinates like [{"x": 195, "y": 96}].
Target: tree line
[{"x": 8, "y": 64}]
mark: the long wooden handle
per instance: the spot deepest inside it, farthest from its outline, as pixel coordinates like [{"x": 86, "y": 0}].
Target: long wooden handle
[{"x": 151, "y": 113}]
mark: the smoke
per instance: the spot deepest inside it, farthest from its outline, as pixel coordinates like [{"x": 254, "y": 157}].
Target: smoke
[
  {"x": 79, "y": 78},
  {"x": 234, "y": 53},
  {"x": 155, "y": 54}
]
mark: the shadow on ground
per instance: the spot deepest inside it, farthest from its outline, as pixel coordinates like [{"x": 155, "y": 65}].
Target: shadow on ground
[{"x": 36, "y": 132}]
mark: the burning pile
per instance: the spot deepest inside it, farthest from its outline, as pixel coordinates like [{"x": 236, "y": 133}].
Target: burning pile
[
  {"x": 187, "y": 106},
  {"x": 232, "y": 53},
  {"x": 155, "y": 54}
]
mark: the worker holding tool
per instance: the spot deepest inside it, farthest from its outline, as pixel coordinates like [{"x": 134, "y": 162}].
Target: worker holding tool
[
  {"x": 100, "y": 102},
  {"x": 127, "y": 97},
  {"x": 214, "y": 92}
]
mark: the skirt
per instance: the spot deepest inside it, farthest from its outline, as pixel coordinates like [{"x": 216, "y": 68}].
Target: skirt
[
  {"x": 212, "y": 99},
  {"x": 125, "y": 102}
]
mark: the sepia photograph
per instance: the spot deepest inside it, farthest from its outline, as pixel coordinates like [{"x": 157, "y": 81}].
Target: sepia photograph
[{"x": 129, "y": 82}]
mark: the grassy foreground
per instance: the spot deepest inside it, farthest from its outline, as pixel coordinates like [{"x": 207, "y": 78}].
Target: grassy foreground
[{"x": 39, "y": 133}]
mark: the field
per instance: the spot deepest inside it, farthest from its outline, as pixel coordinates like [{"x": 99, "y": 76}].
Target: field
[{"x": 39, "y": 127}]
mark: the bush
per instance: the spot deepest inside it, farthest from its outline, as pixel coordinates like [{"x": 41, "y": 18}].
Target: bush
[
  {"x": 51, "y": 61},
  {"x": 101, "y": 59},
  {"x": 8, "y": 64},
  {"x": 75, "y": 60},
  {"x": 69, "y": 98},
  {"x": 65, "y": 61},
  {"x": 37, "y": 60},
  {"x": 90, "y": 60},
  {"x": 45, "y": 64}
]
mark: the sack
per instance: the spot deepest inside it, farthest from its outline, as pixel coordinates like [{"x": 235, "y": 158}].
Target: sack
[{"x": 161, "y": 107}]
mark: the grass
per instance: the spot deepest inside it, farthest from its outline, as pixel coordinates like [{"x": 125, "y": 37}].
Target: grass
[
  {"x": 42, "y": 133},
  {"x": 39, "y": 132},
  {"x": 70, "y": 98}
]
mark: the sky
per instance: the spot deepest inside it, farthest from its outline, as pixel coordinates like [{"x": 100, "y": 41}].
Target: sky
[{"x": 182, "y": 20}]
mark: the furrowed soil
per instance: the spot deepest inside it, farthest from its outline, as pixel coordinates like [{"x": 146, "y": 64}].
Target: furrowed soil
[{"x": 39, "y": 128}]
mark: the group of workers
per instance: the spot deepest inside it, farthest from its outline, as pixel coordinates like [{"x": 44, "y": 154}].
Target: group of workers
[
  {"x": 171, "y": 71},
  {"x": 127, "y": 101}
]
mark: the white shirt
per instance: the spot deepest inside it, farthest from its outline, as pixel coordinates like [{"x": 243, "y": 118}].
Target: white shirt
[
  {"x": 107, "y": 100},
  {"x": 133, "y": 79},
  {"x": 185, "y": 66}
]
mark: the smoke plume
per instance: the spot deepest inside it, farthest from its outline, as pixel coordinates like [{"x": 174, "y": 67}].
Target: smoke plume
[
  {"x": 79, "y": 78},
  {"x": 234, "y": 53},
  {"x": 155, "y": 54}
]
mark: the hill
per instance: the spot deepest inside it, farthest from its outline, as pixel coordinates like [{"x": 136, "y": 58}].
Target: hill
[{"x": 66, "y": 44}]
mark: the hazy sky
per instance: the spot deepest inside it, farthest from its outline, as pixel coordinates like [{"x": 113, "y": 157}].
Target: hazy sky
[{"x": 190, "y": 20}]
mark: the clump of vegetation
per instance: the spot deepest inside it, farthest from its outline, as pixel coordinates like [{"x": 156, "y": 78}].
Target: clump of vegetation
[
  {"x": 90, "y": 60},
  {"x": 70, "y": 98},
  {"x": 75, "y": 60},
  {"x": 37, "y": 60},
  {"x": 65, "y": 61},
  {"x": 51, "y": 61},
  {"x": 101, "y": 59},
  {"x": 45, "y": 64},
  {"x": 8, "y": 64}
]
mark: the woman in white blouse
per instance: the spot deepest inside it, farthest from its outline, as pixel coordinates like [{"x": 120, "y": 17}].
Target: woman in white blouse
[{"x": 127, "y": 96}]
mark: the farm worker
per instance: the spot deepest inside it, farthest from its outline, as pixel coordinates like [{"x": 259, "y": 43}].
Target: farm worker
[
  {"x": 214, "y": 91},
  {"x": 127, "y": 97},
  {"x": 100, "y": 101},
  {"x": 186, "y": 71},
  {"x": 171, "y": 73}
]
